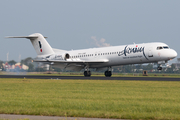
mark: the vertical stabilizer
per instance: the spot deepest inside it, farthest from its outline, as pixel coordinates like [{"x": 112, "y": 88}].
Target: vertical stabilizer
[{"x": 40, "y": 44}]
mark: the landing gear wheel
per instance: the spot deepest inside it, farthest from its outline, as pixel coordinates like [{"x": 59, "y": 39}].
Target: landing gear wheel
[
  {"x": 159, "y": 68},
  {"x": 108, "y": 73},
  {"x": 87, "y": 73}
]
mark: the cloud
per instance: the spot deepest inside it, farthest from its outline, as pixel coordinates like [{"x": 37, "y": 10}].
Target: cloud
[{"x": 100, "y": 43}]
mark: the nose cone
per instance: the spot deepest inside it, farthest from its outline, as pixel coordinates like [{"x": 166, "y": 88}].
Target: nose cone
[
  {"x": 167, "y": 54},
  {"x": 173, "y": 54}
]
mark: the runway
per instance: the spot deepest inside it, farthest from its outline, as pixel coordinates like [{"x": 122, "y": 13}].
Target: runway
[
  {"x": 91, "y": 78},
  {"x": 36, "y": 117}
]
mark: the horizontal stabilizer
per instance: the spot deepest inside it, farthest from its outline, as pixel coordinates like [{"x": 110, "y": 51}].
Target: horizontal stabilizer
[{"x": 28, "y": 37}]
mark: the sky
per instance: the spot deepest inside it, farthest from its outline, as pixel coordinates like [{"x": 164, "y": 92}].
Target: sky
[{"x": 79, "y": 24}]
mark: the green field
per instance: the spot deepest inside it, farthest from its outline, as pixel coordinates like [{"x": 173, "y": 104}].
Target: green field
[{"x": 91, "y": 98}]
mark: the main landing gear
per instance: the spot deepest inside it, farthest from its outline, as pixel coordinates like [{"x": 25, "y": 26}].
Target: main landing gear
[
  {"x": 87, "y": 73},
  {"x": 108, "y": 72}
]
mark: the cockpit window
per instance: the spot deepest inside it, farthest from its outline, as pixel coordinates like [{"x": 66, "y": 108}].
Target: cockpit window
[
  {"x": 162, "y": 47},
  {"x": 159, "y": 48},
  {"x": 166, "y": 47}
]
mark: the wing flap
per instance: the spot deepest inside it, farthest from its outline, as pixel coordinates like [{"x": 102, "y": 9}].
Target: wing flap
[{"x": 73, "y": 62}]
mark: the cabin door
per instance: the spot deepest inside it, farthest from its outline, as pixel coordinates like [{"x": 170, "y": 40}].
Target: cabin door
[{"x": 150, "y": 54}]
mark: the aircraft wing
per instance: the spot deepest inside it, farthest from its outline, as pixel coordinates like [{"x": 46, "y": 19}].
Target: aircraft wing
[
  {"x": 75, "y": 65},
  {"x": 74, "y": 61}
]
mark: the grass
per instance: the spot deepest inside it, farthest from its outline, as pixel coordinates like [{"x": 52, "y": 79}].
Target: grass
[{"x": 90, "y": 98}]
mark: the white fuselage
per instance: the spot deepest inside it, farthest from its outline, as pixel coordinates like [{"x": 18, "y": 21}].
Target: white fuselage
[{"x": 122, "y": 55}]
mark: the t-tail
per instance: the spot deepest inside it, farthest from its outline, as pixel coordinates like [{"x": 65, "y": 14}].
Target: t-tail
[{"x": 39, "y": 43}]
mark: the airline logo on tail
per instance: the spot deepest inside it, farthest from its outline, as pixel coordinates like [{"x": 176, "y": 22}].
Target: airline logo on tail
[{"x": 40, "y": 46}]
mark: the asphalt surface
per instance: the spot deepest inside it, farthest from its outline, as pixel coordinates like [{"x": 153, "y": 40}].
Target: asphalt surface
[
  {"x": 34, "y": 117},
  {"x": 91, "y": 78}
]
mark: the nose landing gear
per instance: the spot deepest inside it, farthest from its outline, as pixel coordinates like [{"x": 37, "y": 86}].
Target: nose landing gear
[
  {"x": 159, "y": 68},
  {"x": 108, "y": 72},
  {"x": 160, "y": 64}
]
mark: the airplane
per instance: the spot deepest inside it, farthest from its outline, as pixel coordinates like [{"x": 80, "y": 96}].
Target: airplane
[{"x": 104, "y": 57}]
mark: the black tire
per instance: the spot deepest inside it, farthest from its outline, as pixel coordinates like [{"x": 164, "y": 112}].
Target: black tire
[
  {"x": 159, "y": 68},
  {"x": 87, "y": 73},
  {"x": 107, "y": 73}
]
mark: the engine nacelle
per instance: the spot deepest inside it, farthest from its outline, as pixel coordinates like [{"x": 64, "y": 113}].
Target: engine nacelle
[
  {"x": 63, "y": 56},
  {"x": 66, "y": 56}
]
